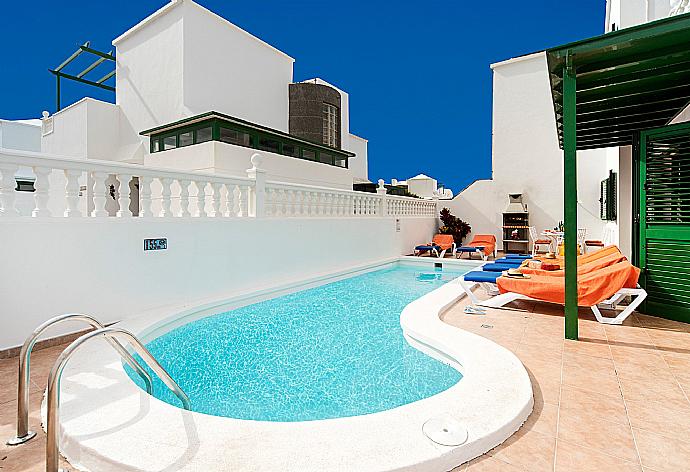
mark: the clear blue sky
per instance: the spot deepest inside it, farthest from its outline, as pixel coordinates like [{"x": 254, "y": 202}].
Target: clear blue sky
[{"x": 417, "y": 72}]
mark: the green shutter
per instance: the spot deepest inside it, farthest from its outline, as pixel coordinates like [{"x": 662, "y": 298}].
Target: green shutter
[{"x": 665, "y": 221}]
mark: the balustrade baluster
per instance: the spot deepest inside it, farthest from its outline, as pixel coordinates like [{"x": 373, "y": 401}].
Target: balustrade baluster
[
  {"x": 42, "y": 192},
  {"x": 215, "y": 200},
  {"x": 100, "y": 192},
  {"x": 123, "y": 200},
  {"x": 244, "y": 201},
  {"x": 145, "y": 197},
  {"x": 166, "y": 193},
  {"x": 72, "y": 193},
  {"x": 7, "y": 190},
  {"x": 201, "y": 199},
  {"x": 184, "y": 198}
]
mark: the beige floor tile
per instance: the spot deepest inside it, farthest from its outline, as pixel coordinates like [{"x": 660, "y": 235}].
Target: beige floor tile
[
  {"x": 575, "y": 458},
  {"x": 588, "y": 347},
  {"x": 627, "y": 334},
  {"x": 544, "y": 419},
  {"x": 651, "y": 389},
  {"x": 593, "y": 432},
  {"x": 679, "y": 366},
  {"x": 545, "y": 390},
  {"x": 529, "y": 450},
  {"x": 590, "y": 373},
  {"x": 670, "y": 417},
  {"x": 611, "y": 407},
  {"x": 661, "y": 453},
  {"x": 491, "y": 464}
]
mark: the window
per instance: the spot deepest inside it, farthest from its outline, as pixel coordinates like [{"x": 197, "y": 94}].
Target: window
[
  {"x": 341, "y": 161},
  {"x": 232, "y": 136},
  {"x": 607, "y": 198},
  {"x": 186, "y": 138},
  {"x": 204, "y": 134},
  {"x": 330, "y": 124},
  {"x": 290, "y": 150},
  {"x": 268, "y": 144},
  {"x": 155, "y": 145},
  {"x": 326, "y": 158},
  {"x": 25, "y": 186},
  {"x": 308, "y": 154},
  {"x": 169, "y": 142}
]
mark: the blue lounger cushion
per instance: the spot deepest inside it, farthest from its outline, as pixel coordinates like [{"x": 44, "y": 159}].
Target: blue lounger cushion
[
  {"x": 513, "y": 262},
  {"x": 498, "y": 267},
  {"x": 427, "y": 248},
  {"x": 481, "y": 276},
  {"x": 518, "y": 256},
  {"x": 470, "y": 249}
]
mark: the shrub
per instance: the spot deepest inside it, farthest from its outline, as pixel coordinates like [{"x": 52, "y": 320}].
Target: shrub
[{"x": 454, "y": 226}]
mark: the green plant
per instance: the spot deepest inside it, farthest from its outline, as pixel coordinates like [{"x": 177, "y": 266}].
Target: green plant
[{"x": 454, "y": 226}]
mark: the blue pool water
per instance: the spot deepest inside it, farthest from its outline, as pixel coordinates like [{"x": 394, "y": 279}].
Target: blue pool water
[{"x": 331, "y": 351}]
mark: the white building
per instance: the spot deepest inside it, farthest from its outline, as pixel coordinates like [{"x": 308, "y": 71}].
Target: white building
[
  {"x": 526, "y": 157},
  {"x": 196, "y": 92}
]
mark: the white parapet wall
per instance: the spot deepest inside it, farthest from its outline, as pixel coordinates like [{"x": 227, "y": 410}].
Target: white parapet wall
[
  {"x": 526, "y": 158},
  {"x": 83, "y": 251}
]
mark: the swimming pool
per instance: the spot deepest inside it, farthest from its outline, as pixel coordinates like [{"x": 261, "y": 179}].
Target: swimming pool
[{"x": 331, "y": 351}]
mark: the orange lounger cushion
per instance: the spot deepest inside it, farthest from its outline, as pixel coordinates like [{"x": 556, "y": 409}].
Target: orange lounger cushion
[
  {"x": 592, "y": 287},
  {"x": 487, "y": 241},
  {"x": 445, "y": 241},
  {"x": 585, "y": 258}
]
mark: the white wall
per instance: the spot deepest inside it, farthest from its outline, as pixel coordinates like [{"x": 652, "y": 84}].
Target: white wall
[
  {"x": 627, "y": 13},
  {"x": 20, "y": 135},
  {"x": 422, "y": 187},
  {"x": 149, "y": 69},
  {"x": 230, "y": 71},
  {"x": 99, "y": 266},
  {"x": 229, "y": 159},
  {"x": 359, "y": 165},
  {"x": 526, "y": 158}
]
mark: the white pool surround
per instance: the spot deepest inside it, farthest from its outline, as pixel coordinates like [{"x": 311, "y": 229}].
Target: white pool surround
[{"x": 110, "y": 424}]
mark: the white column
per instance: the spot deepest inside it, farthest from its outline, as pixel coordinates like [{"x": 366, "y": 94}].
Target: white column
[
  {"x": 123, "y": 199},
  {"x": 100, "y": 192},
  {"x": 145, "y": 197},
  {"x": 7, "y": 190},
  {"x": 165, "y": 197},
  {"x": 72, "y": 193},
  {"x": 42, "y": 193},
  {"x": 215, "y": 199},
  {"x": 184, "y": 198},
  {"x": 258, "y": 195}
]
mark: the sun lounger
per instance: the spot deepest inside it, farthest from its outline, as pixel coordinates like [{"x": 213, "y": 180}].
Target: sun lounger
[
  {"x": 602, "y": 285},
  {"x": 482, "y": 244},
  {"x": 438, "y": 247}
]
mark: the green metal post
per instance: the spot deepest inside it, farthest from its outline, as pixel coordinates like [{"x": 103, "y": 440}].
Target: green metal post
[
  {"x": 570, "y": 197},
  {"x": 57, "y": 93}
]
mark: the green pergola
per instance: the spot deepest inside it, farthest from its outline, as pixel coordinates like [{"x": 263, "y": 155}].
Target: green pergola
[{"x": 605, "y": 91}]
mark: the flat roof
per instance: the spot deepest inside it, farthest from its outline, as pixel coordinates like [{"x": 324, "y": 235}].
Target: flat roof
[{"x": 627, "y": 81}]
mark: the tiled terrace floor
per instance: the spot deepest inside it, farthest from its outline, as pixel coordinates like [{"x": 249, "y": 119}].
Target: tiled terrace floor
[{"x": 617, "y": 400}]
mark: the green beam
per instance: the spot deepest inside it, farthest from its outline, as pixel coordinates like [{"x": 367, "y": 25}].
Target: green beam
[
  {"x": 103, "y": 55},
  {"x": 72, "y": 57},
  {"x": 91, "y": 67},
  {"x": 570, "y": 196},
  {"x": 83, "y": 81},
  {"x": 106, "y": 77}
]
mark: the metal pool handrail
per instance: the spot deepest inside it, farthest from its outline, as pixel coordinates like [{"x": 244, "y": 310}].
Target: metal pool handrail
[
  {"x": 53, "y": 416},
  {"x": 23, "y": 434}
]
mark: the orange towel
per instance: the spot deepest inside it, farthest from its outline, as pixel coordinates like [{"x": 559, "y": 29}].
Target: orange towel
[
  {"x": 599, "y": 263},
  {"x": 488, "y": 241},
  {"x": 445, "y": 241},
  {"x": 592, "y": 287},
  {"x": 584, "y": 258}
]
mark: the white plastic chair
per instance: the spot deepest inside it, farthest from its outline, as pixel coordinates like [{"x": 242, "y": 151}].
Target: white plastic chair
[
  {"x": 536, "y": 242},
  {"x": 581, "y": 236},
  {"x": 606, "y": 239}
]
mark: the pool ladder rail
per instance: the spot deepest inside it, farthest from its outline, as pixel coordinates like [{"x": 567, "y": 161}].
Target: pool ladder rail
[{"x": 23, "y": 434}]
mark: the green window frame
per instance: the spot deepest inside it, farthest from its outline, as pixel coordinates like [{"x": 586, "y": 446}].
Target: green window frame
[{"x": 213, "y": 129}]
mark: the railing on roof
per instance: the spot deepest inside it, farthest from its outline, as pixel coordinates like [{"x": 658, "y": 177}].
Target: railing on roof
[{"x": 66, "y": 187}]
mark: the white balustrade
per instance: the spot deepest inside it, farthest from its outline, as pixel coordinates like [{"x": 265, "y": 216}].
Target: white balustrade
[
  {"x": 154, "y": 193},
  {"x": 7, "y": 190}
]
